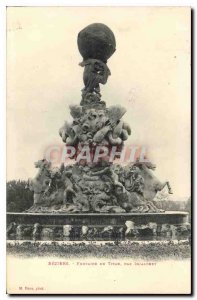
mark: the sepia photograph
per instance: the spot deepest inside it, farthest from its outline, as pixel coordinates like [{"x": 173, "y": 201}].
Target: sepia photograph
[{"x": 98, "y": 184}]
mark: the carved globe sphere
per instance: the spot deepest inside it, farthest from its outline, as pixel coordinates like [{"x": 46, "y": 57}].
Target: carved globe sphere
[{"x": 96, "y": 41}]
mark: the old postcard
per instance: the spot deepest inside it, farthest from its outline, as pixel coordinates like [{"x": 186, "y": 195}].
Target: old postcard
[{"x": 98, "y": 150}]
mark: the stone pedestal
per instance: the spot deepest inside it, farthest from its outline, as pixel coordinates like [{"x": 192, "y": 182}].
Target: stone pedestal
[{"x": 94, "y": 225}]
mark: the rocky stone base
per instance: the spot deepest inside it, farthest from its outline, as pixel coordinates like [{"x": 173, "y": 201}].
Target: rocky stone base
[{"x": 96, "y": 226}]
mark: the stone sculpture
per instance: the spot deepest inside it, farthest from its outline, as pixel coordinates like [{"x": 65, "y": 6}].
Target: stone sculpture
[{"x": 102, "y": 186}]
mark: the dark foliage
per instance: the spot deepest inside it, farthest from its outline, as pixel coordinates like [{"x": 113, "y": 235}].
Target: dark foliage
[
  {"x": 174, "y": 205},
  {"x": 19, "y": 197}
]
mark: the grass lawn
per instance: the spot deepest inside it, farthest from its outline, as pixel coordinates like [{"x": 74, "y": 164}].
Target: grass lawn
[{"x": 130, "y": 249}]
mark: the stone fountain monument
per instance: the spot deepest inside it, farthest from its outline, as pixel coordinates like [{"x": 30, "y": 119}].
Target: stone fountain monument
[{"x": 93, "y": 195}]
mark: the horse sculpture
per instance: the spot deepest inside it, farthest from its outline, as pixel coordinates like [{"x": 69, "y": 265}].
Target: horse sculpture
[
  {"x": 41, "y": 183},
  {"x": 151, "y": 184}
]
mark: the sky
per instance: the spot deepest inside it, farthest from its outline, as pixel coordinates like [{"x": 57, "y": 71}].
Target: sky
[{"x": 150, "y": 78}]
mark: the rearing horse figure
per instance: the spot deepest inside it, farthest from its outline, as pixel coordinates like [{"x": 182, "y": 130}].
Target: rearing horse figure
[
  {"x": 41, "y": 183},
  {"x": 151, "y": 184}
]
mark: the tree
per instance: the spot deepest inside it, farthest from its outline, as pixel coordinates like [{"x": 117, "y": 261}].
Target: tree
[{"x": 19, "y": 198}]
